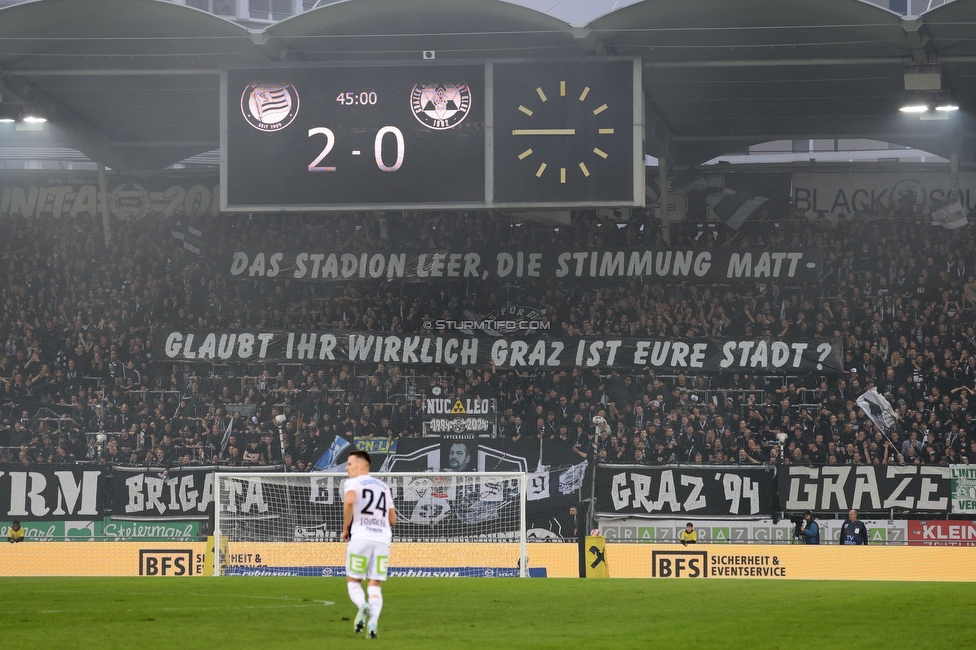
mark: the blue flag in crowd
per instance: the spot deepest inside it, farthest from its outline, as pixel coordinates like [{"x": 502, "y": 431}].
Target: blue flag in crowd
[{"x": 331, "y": 455}]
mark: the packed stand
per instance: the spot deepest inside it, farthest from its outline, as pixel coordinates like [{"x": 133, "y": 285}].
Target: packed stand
[{"x": 78, "y": 382}]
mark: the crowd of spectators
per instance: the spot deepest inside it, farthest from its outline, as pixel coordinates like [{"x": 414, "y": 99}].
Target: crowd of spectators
[{"x": 78, "y": 319}]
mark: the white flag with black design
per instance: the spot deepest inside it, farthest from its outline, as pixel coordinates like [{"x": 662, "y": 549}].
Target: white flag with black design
[
  {"x": 879, "y": 410},
  {"x": 538, "y": 486},
  {"x": 226, "y": 438},
  {"x": 572, "y": 479},
  {"x": 950, "y": 214}
]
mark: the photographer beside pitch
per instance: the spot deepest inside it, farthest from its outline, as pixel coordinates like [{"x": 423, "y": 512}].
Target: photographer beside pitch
[
  {"x": 368, "y": 517},
  {"x": 808, "y": 530},
  {"x": 853, "y": 532}
]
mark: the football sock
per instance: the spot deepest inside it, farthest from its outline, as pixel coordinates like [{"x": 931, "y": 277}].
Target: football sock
[
  {"x": 356, "y": 594},
  {"x": 375, "y": 603}
]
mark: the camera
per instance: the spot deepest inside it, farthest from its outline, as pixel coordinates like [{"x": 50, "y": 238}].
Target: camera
[{"x": 797, "y": 519}]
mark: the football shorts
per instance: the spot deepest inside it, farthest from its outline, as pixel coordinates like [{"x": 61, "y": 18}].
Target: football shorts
[{"x": 367, "y": 559}]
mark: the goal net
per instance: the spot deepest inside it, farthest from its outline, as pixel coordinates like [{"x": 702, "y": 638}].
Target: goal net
[{"x": 448, "y": 524}]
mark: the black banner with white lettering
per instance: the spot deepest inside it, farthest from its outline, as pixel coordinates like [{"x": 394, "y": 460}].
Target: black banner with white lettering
[
  {"x": 707, "y": 354},
  {"x": 721, "y": 490},
  {"x": 838, "y": 489},
  {"x": 685, "y": 265},
  {"x": 457, "y": 416},
  {"x": 156, "y": 493},
  {"x": 51, "y": 493}
]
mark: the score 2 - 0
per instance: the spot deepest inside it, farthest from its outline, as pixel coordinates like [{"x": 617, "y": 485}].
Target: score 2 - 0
[{"x": 330, "y": 141}]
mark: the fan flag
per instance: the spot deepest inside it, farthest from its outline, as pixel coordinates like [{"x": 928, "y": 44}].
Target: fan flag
[{"x": 879, "y": 410}]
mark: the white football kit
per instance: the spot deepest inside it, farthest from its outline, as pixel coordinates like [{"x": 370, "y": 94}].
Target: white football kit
[{"x": 368, "y": 552}]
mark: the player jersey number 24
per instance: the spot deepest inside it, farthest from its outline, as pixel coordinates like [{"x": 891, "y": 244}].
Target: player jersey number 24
[{"x": 371, "y": 511}]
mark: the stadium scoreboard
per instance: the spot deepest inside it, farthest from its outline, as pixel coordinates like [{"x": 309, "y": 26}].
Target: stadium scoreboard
[{"x": 428, "y": 136}]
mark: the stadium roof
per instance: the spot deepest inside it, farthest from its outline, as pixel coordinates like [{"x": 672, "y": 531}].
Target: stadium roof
[{"x": 134, "y": 84}]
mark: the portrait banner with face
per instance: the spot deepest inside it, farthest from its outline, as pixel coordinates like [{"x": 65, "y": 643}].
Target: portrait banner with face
[{"x": 555, "y": 475}]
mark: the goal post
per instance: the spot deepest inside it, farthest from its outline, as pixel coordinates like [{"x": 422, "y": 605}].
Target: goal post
[{"x": 448, "y": 524}]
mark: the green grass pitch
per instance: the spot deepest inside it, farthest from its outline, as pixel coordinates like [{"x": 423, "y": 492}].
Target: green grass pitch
[{"x": 485, "y": 613}]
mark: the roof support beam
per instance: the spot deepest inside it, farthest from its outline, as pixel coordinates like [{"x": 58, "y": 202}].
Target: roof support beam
[
  {"x": 8, "y": 95},
  {"x": 886, "y": 136},
  {"x": 271, "y": 47},
  {"x": 589, "y": 41},
  {"x": 916, "y": 39},
  {"x": 771, "y": 63},
  {"x": 211, "y": 144},
  {"x": 113, "y": 72}
]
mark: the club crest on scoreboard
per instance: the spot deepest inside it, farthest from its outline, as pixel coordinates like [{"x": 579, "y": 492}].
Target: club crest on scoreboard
[
  {"x": 269, "y": 106},
  {"x": 440, "y": 106}
]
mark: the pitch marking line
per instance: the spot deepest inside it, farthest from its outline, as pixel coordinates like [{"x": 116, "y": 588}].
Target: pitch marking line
[{"x": 296, "y": 603}]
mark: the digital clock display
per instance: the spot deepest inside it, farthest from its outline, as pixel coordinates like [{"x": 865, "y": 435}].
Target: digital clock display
[
  {"x": 329, "y": 138},
  {"x": 362, "y": 98}
]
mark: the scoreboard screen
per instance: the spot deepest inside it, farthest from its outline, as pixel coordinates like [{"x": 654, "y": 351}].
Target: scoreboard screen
[{"x": 458, "y": 135}]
